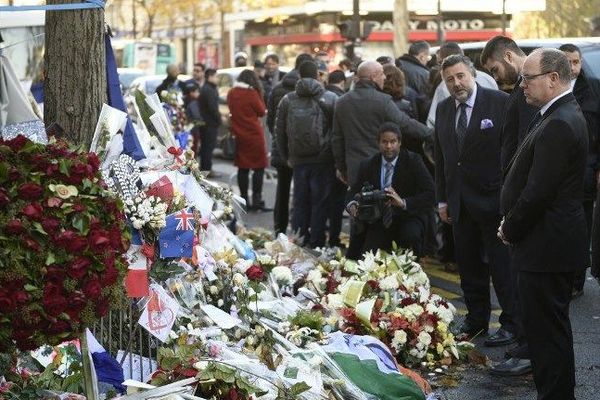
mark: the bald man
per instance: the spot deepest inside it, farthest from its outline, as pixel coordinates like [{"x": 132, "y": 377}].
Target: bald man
[
  {"x": 170, "y": 83},
  {"x": 358, "y": 116},
  {"x": 544, "y": 219}
]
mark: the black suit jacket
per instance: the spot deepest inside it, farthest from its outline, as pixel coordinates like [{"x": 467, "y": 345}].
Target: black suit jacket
[
  {"x": 472, "y": 176},
  {"x": 543, "y": 190},
  {"x": 411, "y": 181},
  {"x": 209, "y": 105},
  {"x": 518, "y": 116},
  {"x": 590, "y": 107}
]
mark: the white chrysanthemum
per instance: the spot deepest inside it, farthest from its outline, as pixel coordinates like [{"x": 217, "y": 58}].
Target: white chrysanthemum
[
  {"x": 424, "y": 338},
  {"x": 239, "y": 279},
  {"x": 283, "y": 275},
  {"x": 335, "y": 300},
  {"x": 399, "y": 340},
  {"x": 389, "y": 283}
]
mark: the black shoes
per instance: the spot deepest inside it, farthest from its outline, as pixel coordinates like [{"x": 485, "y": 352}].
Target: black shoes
[
  {"x": 502, "y": 337},
  {"x": 512, "y": 367},
  {"x": 469, "y": 330}
]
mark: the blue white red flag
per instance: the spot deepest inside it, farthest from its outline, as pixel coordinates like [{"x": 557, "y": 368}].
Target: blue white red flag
[{"x": 176, "y": 239}]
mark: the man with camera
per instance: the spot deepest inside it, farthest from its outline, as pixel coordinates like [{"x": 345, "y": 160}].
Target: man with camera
[{"x": 391, "y": 195}]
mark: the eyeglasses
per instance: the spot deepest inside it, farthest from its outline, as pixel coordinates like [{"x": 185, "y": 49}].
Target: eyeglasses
[{"x": 529, "y": 78}]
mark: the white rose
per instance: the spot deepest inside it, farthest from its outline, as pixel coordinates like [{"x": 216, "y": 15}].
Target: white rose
[
  {"x": 389, "y": 283},
  {"x": 399, "y": 339},
  {"x": 283, "y": 275},
  {"x": 239, "y": 279},
  {"x": 424, "y": 338},
  {"x": 213, "y": 290}
]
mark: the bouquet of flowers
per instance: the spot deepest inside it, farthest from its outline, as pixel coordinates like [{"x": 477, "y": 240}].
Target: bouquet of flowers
[{"x": 62, "y": 238}]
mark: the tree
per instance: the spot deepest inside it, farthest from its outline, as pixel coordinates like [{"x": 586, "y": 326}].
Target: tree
[
  {"x": 75, "y": 84},
  {"x": 560, "y": 19},
  {"x": 400, "y": 18}
]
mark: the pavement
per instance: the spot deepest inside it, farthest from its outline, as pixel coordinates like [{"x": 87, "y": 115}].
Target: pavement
[{"x": 473, "y": 381}]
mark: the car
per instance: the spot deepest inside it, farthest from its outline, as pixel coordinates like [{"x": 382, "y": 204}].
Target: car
[
  {"x": 226, "y": 77},
  {"x": 589, "y": 46},
  {"x": 127, "y": 76}
]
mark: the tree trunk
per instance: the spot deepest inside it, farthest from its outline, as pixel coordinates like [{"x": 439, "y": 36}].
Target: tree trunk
[
  {"x": 75, "y": 85},
  {"x": 150, "y": 25},
  {"x": 222, "y": 41},
  {"x": 400, "y": 18}
]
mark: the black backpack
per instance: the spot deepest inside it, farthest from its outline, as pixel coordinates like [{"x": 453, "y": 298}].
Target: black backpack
[{"x": 306, "y": 126}]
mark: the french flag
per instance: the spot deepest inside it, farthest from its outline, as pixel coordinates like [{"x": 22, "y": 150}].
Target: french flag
[{"x": 108, "y": 370}]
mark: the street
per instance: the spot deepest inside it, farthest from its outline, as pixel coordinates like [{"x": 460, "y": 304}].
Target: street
[{"x": 473, "y": 382}]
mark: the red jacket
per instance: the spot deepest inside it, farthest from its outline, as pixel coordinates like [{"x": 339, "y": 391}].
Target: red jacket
[{"x": 246, "y": 107}]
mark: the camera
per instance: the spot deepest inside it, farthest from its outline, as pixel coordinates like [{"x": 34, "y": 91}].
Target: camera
[{"x": 370, "y": 203}]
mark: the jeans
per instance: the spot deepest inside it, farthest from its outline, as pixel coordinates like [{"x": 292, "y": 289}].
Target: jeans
[
  {"x": 208, "y": 142},
  {"x": 312, "y": 186}
]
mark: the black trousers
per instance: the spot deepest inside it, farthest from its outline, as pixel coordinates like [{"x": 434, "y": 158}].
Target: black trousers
[
  {"x": 281, "y": 211},
  {"x": 589, "y": 195},
  {"x": 208, "y": 142},
  {"x": 257, "y": 184},
  {"x": 407, "y": 233},
  {"x": 337, "y": 203},
  {"x": 475, "y": 242},
  {"x": 545, "y": 299}
]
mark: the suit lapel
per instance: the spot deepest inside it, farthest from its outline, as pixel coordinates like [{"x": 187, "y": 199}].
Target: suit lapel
[
  {"x": 474, "y": 122},
  {"x": 451, "y": 118}
]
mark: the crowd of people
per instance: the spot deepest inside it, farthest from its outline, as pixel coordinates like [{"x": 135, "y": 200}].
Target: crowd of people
[{"x": 421, "y": 151}]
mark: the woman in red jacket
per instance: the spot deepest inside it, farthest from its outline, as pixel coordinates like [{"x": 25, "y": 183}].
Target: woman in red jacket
[{"x": 246, "y": 106}]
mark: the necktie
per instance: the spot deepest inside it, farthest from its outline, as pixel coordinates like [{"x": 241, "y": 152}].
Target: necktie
[
  {"x": 535, "y": 122},
  {"x": 461, "y": 127},
  {"x": 387, "y": 178},
  {"x": 387, "y": 208}
]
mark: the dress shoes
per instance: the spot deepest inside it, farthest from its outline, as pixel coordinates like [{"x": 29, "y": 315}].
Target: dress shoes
[
  {"x": 467, "y": 329},
  {"x": 512, "y": 367},
  {"x": 502, "y": 337}
]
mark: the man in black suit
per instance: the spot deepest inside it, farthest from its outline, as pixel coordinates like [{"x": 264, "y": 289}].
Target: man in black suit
[
  {"x": 588, "y": 101},
  {"x": 409, "y": 189},
  {"x": 469, "y": 178},
  {"x": 504, "y": 60},
  {"x": 544, "y": 219}
]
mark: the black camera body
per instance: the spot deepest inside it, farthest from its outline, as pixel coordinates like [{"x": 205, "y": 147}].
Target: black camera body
[{"x": 370, "y": 203}]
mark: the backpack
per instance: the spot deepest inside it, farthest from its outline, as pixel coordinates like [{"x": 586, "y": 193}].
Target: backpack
[{"x": 305, "y": 122}]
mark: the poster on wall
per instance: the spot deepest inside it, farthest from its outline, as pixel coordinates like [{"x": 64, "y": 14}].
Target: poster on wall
[
  {"x": 208, "y": 54},
  {"x": 145, "y": 57}
]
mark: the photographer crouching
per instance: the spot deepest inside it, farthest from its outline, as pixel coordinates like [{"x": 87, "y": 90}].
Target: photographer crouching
[{"x": 391, "y": 197}]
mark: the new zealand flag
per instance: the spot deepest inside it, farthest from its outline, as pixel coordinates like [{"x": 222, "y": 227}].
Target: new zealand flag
[{"x": 177, "y": 238}]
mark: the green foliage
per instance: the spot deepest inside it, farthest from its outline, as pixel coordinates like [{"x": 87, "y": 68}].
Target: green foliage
[{"x": 310, "y": 319}]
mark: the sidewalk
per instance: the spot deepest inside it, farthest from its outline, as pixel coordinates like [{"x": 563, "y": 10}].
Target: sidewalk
[{"x": 475, "y": 382}]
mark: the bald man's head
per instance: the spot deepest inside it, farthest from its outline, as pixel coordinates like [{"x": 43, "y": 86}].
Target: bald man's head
[
  {"x": 372, "y": 71},
  {"x": 173, "y": 70}
]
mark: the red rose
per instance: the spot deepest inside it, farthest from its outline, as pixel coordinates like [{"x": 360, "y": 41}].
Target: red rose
[
  {"x": 39, "y": 162},
  {"x": 30, "y": 191},
  {"x": 50, "y": 225},
  {"x": 17, "y": 143},
  {"x": 4, "y": 199},
  {"x": 21, "y": 297},
  {"x": 78, "y": 208},
  {"x": 14, "y": 227},
  {"x": 78, "y": 300},
  {"x": 99, "y": 240},
  {"x": 78, "y": 268},
  {"x": 33, "y": 211},
  {"x": 95, "y": 223},
  {"x": 110, "y": 275},
  {"x": 78, "y": 172},
  {"x": 54, "y": 202},
  {"x": 255, "y": 273},
  {"x": 93, "y": 161},
  {"x": 14, "y": 174},
  {"x": 71, "y": 242},
  {"x": 92, "y": 288},
  {"x": 54, "y": 305},
  {"x": 7, "y": 304},
  {"x": 116, "y": 238},
  {"x": 24, "y": 343},
  {"x": 51, "y": 169},
  {"x": 58, "y": 327},
  {"x": 31, "y": 244},
  {"x": 232, "y": 394},
  {"x": 102, "y": 307},
  {"x": 175, "y": 151},
  {"x": 55, "y": 274}
]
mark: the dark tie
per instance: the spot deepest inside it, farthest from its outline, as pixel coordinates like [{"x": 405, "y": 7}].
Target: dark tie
[
  {"x": 387, "y": 178},
  {"x": 387, "y": 207},
  {"x": 461, "y": 127},
  {"x": 535, "y": 122}
]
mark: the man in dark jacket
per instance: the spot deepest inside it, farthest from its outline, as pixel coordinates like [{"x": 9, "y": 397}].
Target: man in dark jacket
[
  {"x": 209, "y": 108},
  {"x": 414, "y": 66},
  {"x": 544, "y": 220},
  {"x": 284, "y": 172},
  {"x": 272, "y": 75},
  {"x": 589, "y": 104},
  {"x": 170, "y": 82},
  {"x": 468, "y": 176},
  {"x": 409, "y": 189},
  {"x": 336, "y": 84},
  {"x": 504, "y": 60},
  {"x": 303, "y": 130}
]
